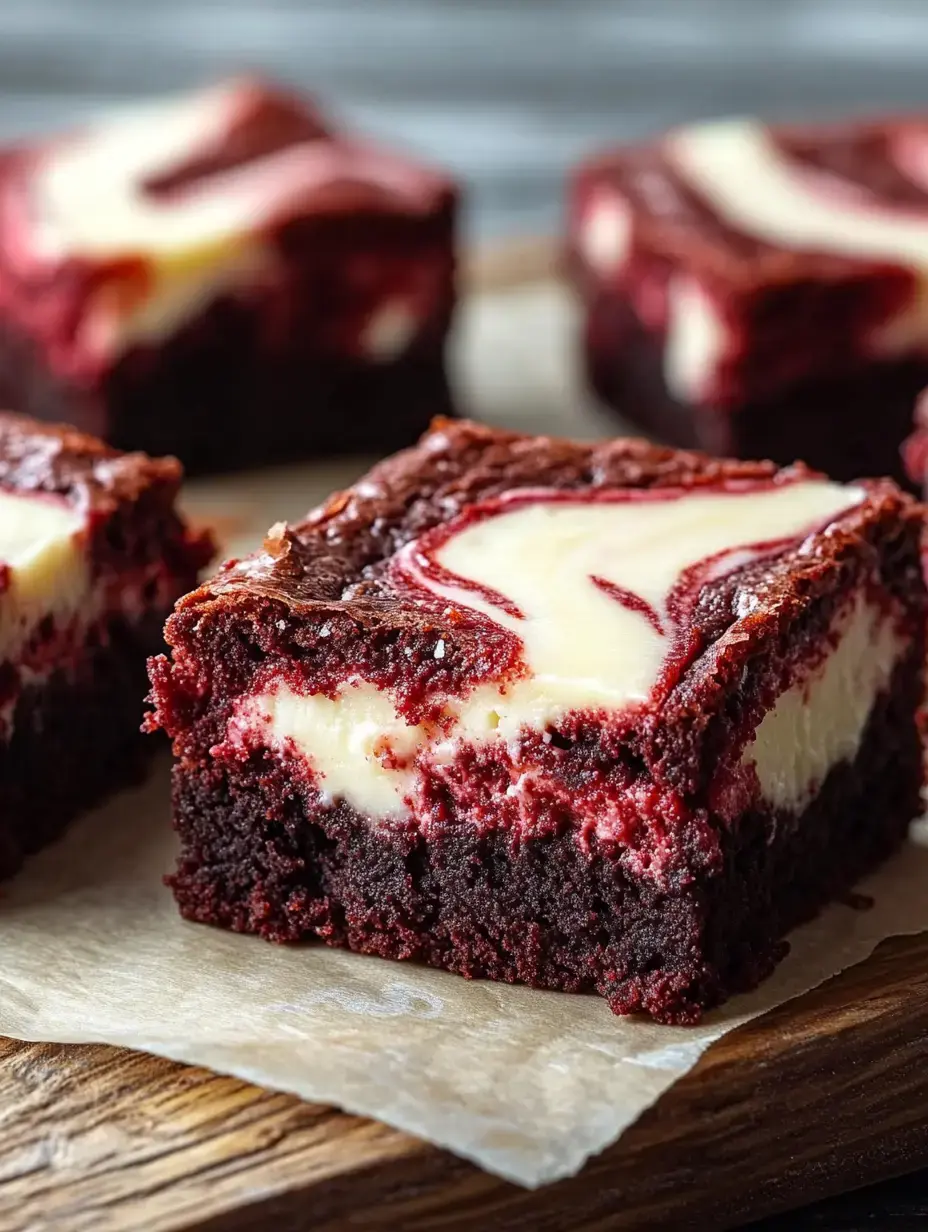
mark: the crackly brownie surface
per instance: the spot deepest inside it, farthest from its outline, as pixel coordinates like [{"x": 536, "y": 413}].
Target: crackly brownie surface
[
  {"x": 736, "y": 267},
  {"x": 92, "y": 556},
  {"x": 58, "y": 460},
  {"x": 168, "y": 270},
  {"x": 501, "y": 661}
]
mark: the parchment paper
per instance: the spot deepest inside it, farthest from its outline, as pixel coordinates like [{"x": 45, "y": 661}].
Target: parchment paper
[{"x": 526, "y": 1084}]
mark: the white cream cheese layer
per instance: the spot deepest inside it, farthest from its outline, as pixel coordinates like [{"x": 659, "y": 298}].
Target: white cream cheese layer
[
  {"x": 583, "y": 648},
  {"x": 820, "y": 721},
  {"x": 44, "y": 558},
  {"x": 736, "y": 167},
  {"x": 360, "y": 747}
]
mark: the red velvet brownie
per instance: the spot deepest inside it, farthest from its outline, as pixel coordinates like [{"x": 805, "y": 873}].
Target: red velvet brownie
[
  {"x": 92, "y": 557},
  {"x": 761, "y": 292},
  {"x": 588, "y": 717},
  {"x": 225, "y": 277}
]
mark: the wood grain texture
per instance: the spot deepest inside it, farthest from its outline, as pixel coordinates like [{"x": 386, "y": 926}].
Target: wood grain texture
[{"x": 822, "y": 1095}]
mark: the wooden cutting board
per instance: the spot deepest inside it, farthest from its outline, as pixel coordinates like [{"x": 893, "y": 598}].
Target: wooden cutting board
[{"x": 826, "y": 1093}]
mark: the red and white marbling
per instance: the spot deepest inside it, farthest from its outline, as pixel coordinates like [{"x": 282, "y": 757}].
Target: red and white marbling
[
  {"x": 753, "y": 194},
  {"x": 596, "y": 590}
]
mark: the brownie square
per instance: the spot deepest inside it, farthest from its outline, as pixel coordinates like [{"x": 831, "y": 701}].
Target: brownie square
[
  {"x": 760, "y": 291},
  {"x": 596, "y": 717},
  {"x": 226, "y": 277},
  {"x": 93, "y": 555}
]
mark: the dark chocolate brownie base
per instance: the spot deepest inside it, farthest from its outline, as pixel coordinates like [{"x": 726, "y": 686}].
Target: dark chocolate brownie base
[
  {"x": 485, "y": 907},
  {"x": 214, "y": 399},
  {"x": 849, "y": 426},
  {"x": 75, "y": 740}
]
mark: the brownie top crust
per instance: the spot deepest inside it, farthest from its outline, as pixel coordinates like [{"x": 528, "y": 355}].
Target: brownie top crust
[
  {"x": 340, "y": 551},
  {"x": 56, "y": 459},
  {"x": 181, "y": 176}
]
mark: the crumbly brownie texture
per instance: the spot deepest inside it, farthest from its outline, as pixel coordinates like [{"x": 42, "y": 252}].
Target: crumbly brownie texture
[
  {"x": 225, "y": 278},
  {"x": 759, "y": 291},
  {"x": 82, "y": 604},
  {"x": 656, "y": 851}
]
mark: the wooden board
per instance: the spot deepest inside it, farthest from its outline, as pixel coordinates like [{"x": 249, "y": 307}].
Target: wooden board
[{"x": 824, "y": 1094}]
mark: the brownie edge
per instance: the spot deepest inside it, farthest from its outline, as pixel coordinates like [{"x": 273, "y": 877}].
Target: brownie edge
[{"x": 72, "y": 684}]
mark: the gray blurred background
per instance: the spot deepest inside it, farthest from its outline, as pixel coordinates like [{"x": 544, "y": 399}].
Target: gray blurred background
[{"x": 506, "y": 92}]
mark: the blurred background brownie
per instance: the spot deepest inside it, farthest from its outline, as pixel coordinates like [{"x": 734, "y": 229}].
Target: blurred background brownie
[
  {"x": 761, "y": 291},
  {"x": 224, "y": 277},
  {"x": 92, "y": 557}
]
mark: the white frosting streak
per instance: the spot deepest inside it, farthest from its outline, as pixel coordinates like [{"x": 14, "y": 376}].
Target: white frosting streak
[
  {"x": 91, "y": 190},
  {"x": 606, "y": 233},
  {"x": 390, "y": 331},
  {"x": 582, "y": 645},
  {"x": 346, "y": 739},
  {"x": 736, "y": 166}
]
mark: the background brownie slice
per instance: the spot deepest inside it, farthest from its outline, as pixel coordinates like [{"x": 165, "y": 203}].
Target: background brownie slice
[
  {"x": 92, "y": 557},
  {"x": 591, "y": 717},
  {"x": 759, "y": 292},
  {"x": 225, "y": 277}
]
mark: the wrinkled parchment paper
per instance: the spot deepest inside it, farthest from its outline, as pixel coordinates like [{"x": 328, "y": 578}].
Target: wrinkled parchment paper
[{"x": 526, "y": 1084}]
